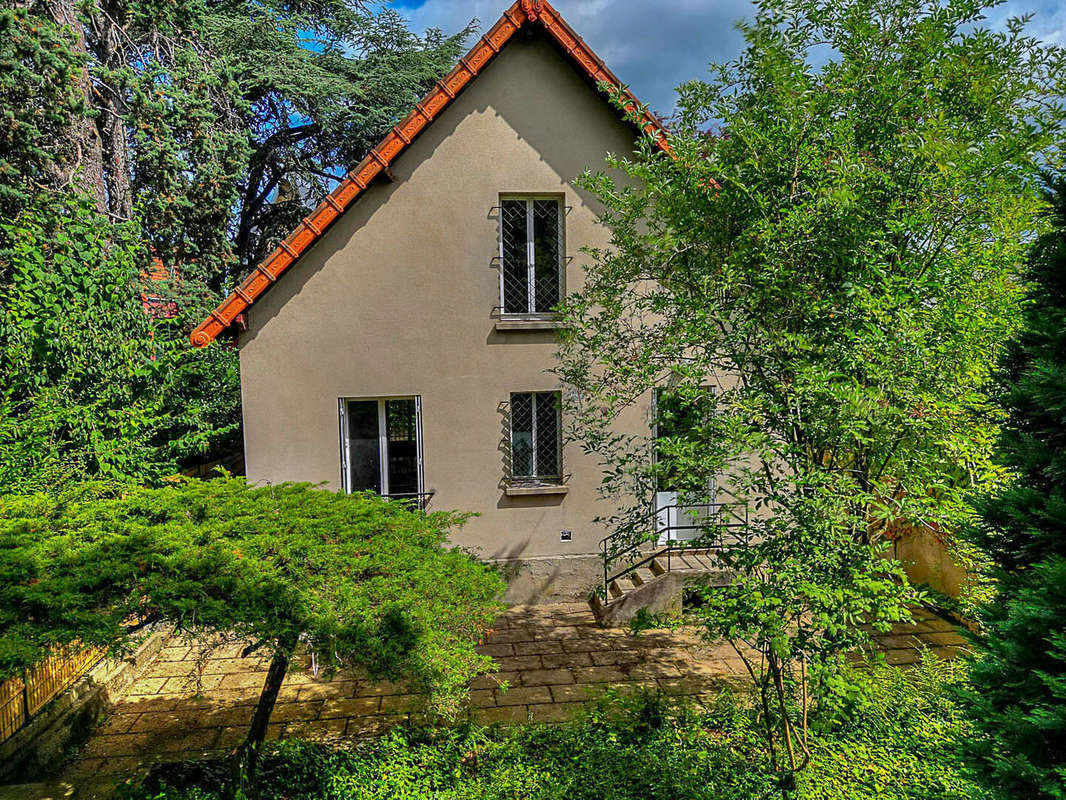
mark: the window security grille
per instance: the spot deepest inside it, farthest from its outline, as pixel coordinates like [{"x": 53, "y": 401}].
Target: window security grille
[
  {"x": 535, "y": 436},
  {"x": 530, "y": 255}
]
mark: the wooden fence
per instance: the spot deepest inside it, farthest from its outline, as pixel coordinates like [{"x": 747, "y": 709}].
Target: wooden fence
[{"x": 22, "y": 698}]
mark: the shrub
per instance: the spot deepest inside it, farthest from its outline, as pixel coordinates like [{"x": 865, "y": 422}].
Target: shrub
[{"x": 363, "y": 581}]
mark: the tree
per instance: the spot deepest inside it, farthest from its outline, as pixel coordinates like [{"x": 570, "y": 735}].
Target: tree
[
  {"x": 92, "y": 385},
  {"x": 824, "y": 262},
  {"x": 359, "y": 580},
  {"x": 1018, "y": 700},
  {"x": 39, "y": 103},
  {"x": 218, "y": 124}
]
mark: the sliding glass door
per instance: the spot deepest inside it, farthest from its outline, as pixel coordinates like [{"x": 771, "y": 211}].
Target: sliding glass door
[{"x": 382, "y": 446}]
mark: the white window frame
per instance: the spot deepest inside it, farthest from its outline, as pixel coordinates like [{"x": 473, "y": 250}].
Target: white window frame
[
  {"x": 383, "y": 441},
  {"x": 535, "y": 477},
  {"x": 531, "y": 266}
]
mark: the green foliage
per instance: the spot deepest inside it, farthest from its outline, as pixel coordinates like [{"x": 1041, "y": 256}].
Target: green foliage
[
  {"x": 76, "y": 353},
  {"x": 897, "y": 726},
  {"x": 1019, "y": 697},
  {"x": 38, "y": 100},
  {"x": 362, "y": 581},
  {"x": 93, "y": 386},
  {"x": 896, "y": 745},
  {"x": 826, "y": 263},
  {"x": 184, "y": 115}
]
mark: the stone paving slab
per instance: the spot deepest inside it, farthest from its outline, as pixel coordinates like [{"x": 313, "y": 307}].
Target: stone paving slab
[{"x": 552, "y": 660}]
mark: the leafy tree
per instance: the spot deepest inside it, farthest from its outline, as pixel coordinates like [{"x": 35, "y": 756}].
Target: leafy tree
[
  {"x": 1018, "y": 700},
  {"x": 360, "y": 580},
  {"x": 216, "y": 124},
  {"x": 825, "y": 263},
  {"x": 92, "y": 385},
  {"x": 203, "y": 129}
]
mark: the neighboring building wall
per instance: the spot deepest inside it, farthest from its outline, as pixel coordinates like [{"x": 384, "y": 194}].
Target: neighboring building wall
[
  {"x": 928, "y": 561},
  {"x": 398, "y": 299}
]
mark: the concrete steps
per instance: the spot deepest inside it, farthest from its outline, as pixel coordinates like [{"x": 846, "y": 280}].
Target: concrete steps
[{"x": 658, "y": 586}]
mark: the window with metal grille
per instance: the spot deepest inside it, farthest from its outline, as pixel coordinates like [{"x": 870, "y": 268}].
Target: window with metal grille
[
  {"x": 531, "y": 254},
  {"x": 535, "y": 436}
]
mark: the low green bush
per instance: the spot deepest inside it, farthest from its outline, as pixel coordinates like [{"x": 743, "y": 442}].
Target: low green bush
[{"x": 894, "y": 741}]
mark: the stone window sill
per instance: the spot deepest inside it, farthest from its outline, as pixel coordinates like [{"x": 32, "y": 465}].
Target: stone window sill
[
  {"x": 536, "y": 489},
  {"x": 518, "y": 324}
]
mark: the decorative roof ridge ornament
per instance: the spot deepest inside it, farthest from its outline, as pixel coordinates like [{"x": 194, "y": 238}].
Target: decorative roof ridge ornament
[{"x": 533, "y": 8}]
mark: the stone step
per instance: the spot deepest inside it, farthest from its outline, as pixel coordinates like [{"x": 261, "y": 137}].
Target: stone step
[
  {"x": 641, "y": 576},
  {"x": 637, "y": 588}
]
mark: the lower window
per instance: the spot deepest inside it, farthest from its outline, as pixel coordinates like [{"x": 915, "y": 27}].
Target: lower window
[
  {"x": 536, "y": 437},
  {"x": 382, "y": 447}
]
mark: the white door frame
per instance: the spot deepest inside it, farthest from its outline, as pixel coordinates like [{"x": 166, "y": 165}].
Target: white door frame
[{"x": 668, "y": 514}]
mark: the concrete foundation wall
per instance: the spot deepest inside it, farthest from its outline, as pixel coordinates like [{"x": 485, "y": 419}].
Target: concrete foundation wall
[{"x": 542, "y": 581}]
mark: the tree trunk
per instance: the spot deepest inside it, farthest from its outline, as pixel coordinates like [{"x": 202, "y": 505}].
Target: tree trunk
[
  {"x": 111, "y": 104},
  {"x": 244, "y": 760},
  {"x": 85, "y": 166}
]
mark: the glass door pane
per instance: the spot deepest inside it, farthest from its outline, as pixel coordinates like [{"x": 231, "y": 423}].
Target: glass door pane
[
  {"x": 401, "y": 427},
  {"x": 364, "y": 446},
  {"x": 683, "y": 502}
]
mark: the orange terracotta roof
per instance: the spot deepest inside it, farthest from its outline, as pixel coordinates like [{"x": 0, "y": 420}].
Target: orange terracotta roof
[
  {"x": 522, "y": 13},
  {"x": 154, "y": 305}
]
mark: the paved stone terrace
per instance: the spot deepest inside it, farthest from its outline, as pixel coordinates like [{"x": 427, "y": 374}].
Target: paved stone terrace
[{"x": 551, "y": 660}]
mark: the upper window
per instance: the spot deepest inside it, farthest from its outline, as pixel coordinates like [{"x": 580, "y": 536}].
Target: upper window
[
  {"x": 531, "y": 254},
  {"x": 536, "y": 436}
]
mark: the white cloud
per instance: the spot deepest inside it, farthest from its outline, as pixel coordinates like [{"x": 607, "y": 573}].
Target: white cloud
[
  {"x": 654, "y": 46},
  {"x": 651, "y": 46}
]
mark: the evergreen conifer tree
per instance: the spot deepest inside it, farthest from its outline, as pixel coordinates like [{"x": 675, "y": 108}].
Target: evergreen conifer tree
[{"x": 1019, "y": 696}]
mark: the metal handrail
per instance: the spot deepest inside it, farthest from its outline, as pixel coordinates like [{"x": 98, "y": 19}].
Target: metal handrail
[{"x": 671, "y": 543}]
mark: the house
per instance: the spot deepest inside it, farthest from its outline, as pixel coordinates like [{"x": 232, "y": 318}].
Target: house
[{"x": 401, "y": 340}]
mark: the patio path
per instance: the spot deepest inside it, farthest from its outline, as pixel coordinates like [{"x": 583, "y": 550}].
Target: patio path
[{"x": 551, "y": 660}]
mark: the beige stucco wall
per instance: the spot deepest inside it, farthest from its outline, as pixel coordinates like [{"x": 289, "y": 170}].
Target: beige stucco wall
[
  {"x": 398, "y": 299},
  {"x": 927, "y": 560}
]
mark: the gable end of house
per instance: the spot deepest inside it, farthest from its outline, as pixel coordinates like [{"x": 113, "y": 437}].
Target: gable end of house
[{"x": 523, "y": 14}]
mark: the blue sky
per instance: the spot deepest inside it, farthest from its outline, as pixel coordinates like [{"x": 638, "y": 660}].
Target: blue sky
[{"x": 654, "y": 45}]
